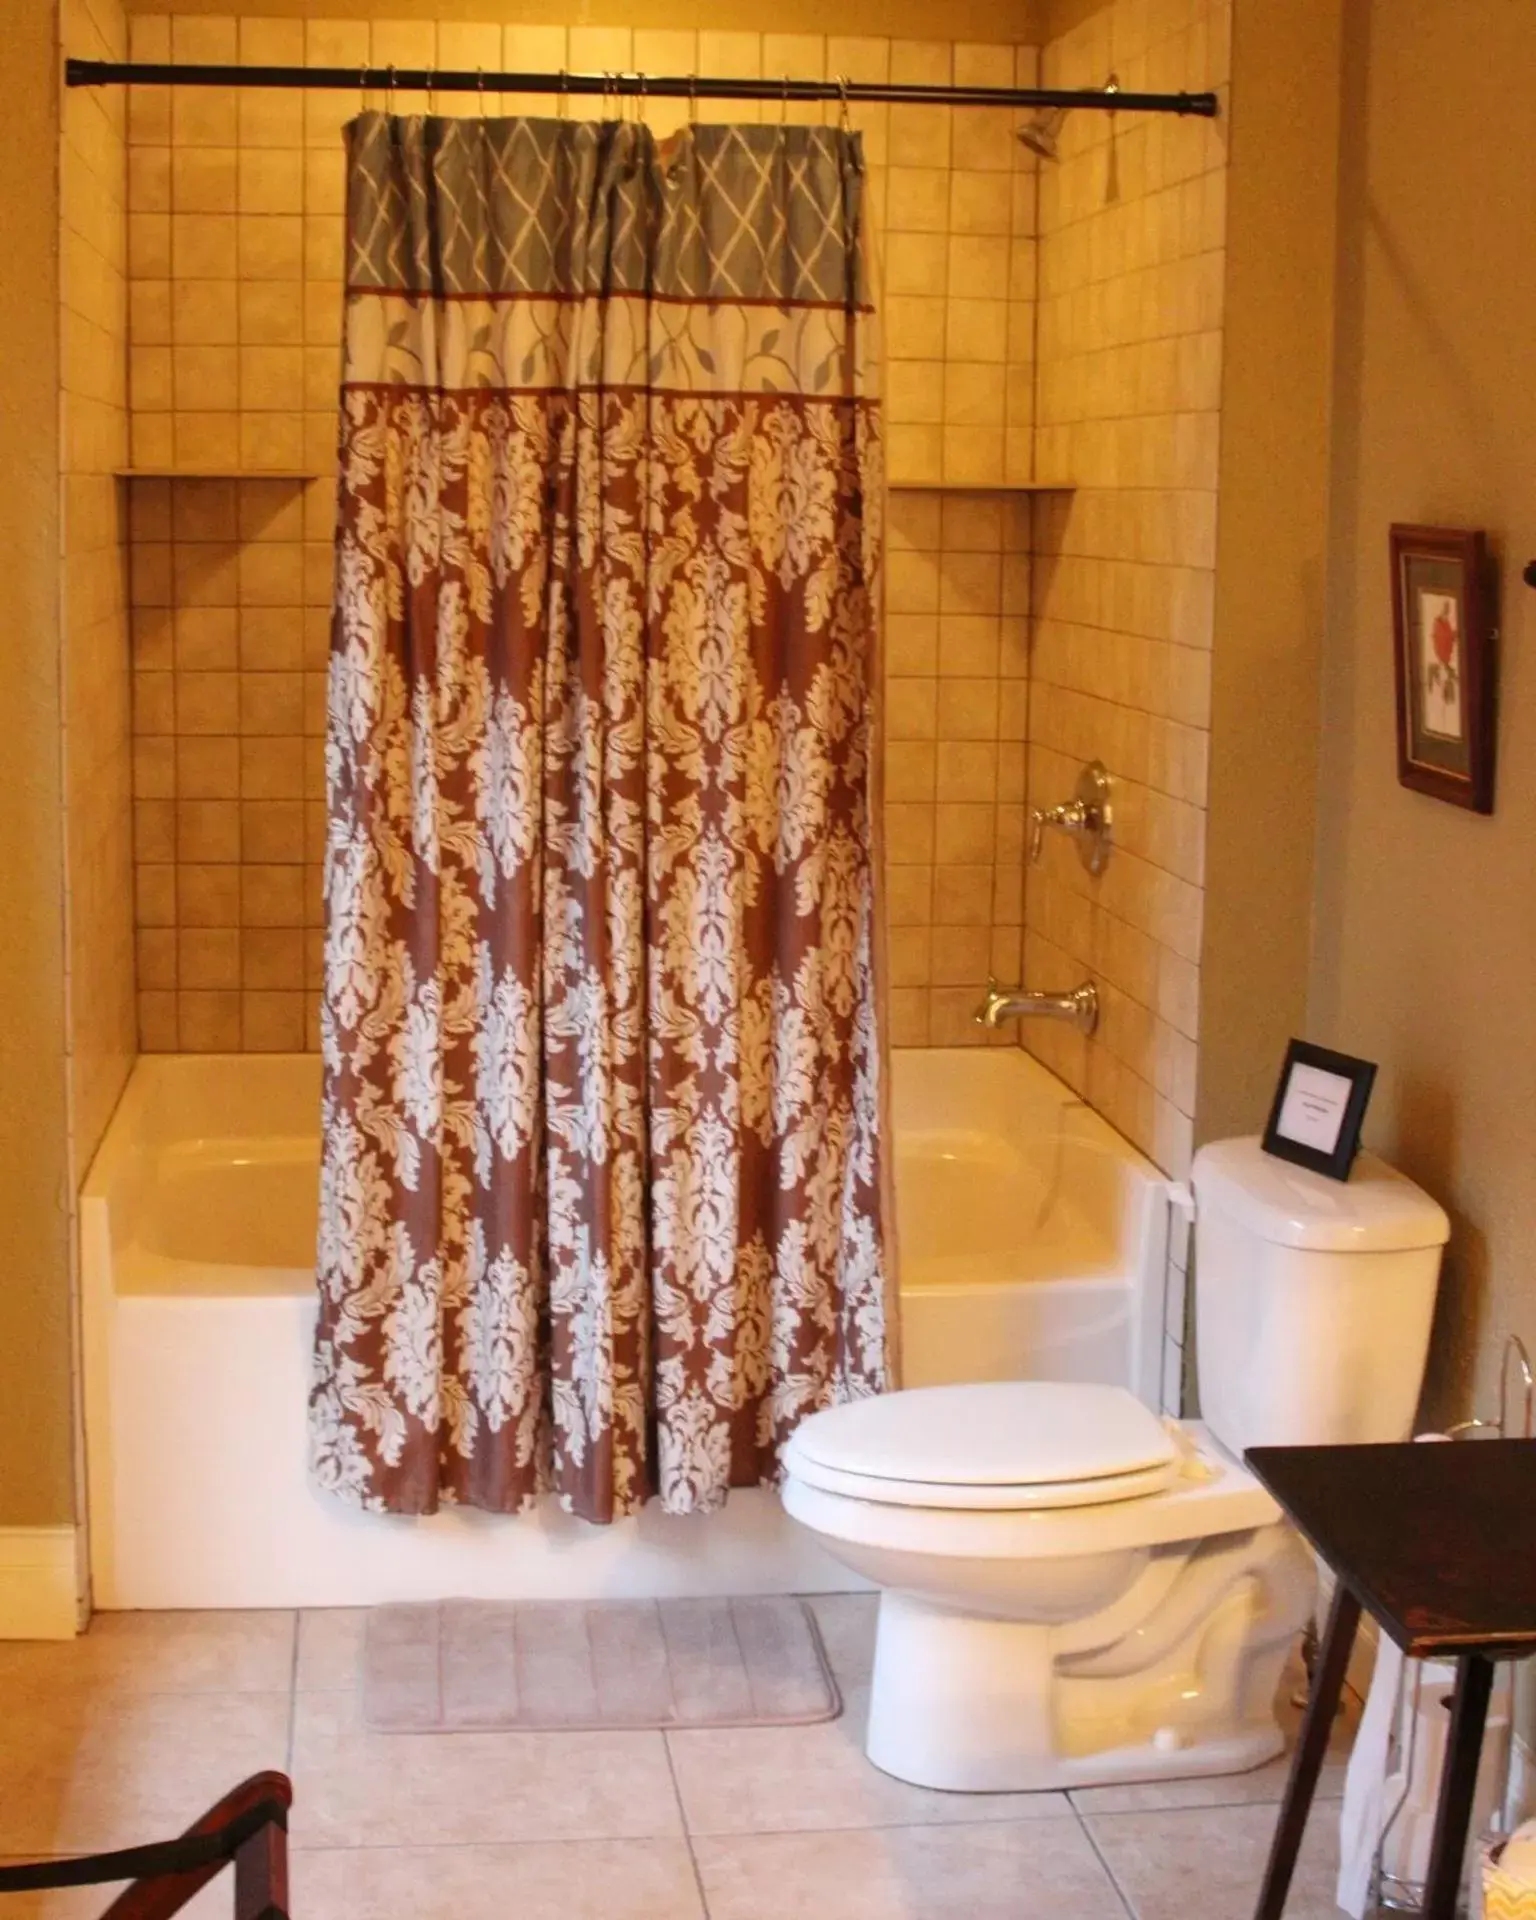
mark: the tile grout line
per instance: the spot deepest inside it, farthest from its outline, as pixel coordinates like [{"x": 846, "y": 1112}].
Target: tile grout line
[
  {"x": 293, "y": 1690},
  {"x": 682, "y": 1814},
  {"x": 1098, "y": 1853},
  {"x": 726, "y": 1834}
]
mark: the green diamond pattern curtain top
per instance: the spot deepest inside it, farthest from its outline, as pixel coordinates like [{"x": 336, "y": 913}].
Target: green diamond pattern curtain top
[{"x": 600, "y": 1193}]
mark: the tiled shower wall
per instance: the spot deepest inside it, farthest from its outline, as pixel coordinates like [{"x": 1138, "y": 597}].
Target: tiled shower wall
[
  {"x": 93, "y": 581},
  {"x": 1132, "y": 232},
  {"x": 235, "y": 266},
  {"x": 958, "y": 264},
  {"x": 957, "y": 656},
  {"x": 959, "y": 273},
  {"x": 235, "y": 262},
  {"x": 229, "y": 627}
]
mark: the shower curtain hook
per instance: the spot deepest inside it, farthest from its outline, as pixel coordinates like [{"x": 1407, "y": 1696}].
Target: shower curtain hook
[
  {"x": 693, "y": 99},
  {"x": 565, "y": 95},
  {"x": 362, "y": 87},
  {"x": 389, "y": 86},
  {"x": 640, "y": 107},
  {"x": 843, "y": 120},
  {"x": 784, "y": 103},
  {"x": 480, "y": 88},
  {"x": 431, "y": 90}
]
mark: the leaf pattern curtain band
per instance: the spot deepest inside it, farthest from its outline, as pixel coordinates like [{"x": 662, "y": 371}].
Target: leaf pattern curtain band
[{"x": 600, "y": 1191}]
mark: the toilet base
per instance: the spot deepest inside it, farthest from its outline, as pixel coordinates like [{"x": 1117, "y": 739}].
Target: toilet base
[
  {"x": 974, "y": 1704},
  {"x": 1119, "y": 1766}
]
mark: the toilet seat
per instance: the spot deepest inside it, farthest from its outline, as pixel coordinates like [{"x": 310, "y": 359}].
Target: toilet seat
[
  {"x": 996, "y": 1447},
  {"x": 1210, "y": 1494},
  {"x": 1049, "y": 1495}
]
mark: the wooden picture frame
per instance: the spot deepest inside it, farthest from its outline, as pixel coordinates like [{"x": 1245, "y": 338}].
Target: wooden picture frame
[
  {"x": 1319, "y": 1109},
  {"x": 1443, "y": 653}
]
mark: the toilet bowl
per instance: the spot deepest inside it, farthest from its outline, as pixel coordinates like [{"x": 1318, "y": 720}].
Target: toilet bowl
[
  {"x": 1073, "y": 1593},
  {"x": 1076, "y": 1592}
]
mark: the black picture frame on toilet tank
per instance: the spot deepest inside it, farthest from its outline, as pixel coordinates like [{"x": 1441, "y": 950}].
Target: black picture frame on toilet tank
[{"x": 1315, "y": 1120}]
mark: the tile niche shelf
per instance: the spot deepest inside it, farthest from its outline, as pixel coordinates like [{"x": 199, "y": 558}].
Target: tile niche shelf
[
  {"x": 301, "y": 474},
  {"x": 981, "y": 486},
  {"x": 297, "y": 475}
]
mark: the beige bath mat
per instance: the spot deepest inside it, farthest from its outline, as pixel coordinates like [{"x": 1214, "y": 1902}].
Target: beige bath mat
[{"x": 453, "y": 1666}]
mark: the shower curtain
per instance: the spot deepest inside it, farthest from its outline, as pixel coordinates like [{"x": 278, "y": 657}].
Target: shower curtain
[{"x": 600, "y": 1191}]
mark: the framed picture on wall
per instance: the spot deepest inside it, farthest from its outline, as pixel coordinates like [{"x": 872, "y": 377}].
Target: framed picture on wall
[
  {"x": 1319, "y": 1109},
  {"x": 1443, "y": 640}
]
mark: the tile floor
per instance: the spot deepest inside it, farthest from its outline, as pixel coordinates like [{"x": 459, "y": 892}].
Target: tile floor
[{"x": 128, "y": 1733}]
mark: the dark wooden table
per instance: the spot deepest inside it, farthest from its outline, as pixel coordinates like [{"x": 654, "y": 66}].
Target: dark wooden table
[{"x": 1438, "y": 1544}]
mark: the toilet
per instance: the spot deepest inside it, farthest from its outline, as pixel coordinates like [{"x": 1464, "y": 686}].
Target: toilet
[{"x": 1076, "y": 1592}]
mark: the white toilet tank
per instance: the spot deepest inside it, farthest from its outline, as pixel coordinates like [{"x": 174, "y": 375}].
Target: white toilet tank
[{"x": 1313, "y": 1298}]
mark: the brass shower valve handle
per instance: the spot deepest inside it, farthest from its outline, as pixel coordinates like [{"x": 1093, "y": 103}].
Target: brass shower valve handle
[{"x": 1087, "y": 817}]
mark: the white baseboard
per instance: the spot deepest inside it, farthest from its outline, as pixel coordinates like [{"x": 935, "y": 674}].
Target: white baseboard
[{"x": 39, "y": 1598}]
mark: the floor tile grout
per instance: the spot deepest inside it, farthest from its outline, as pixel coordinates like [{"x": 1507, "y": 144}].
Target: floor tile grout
[
  {"x": 1320, "y": 1798},
  {"x": 1141, "y": 1853},
  {"x": 293, "y": 1691},
  {"x": 484, "y": 1846},
  {"x": 886, "y": 1826},
  {"x": 736, "y": 1833},
  {"x": 682, "y": 1815},
  {"x": 1109, "y": 1873},
  {"x": 882, "y": 1826}
]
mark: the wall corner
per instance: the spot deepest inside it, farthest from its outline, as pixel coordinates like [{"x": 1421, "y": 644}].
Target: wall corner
[{"x": 1271, "y": 553}]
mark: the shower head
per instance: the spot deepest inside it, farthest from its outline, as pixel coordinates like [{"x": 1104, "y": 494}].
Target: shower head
[
  {"x": 1041, "y": 132},
  {"x": 1042, "y": 129}
]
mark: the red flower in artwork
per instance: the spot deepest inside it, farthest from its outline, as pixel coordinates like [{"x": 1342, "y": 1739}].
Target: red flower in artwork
[{"x": 1443, "y": 639}]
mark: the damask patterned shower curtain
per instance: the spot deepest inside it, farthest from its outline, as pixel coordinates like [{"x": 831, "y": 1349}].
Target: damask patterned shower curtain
[{"x": 601, "y": 1167}]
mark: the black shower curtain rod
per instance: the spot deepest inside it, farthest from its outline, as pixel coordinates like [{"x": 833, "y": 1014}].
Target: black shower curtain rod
[{"x": 691, "y": 86}]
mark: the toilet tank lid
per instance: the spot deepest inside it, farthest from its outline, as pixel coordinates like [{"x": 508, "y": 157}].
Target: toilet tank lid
[{"x": 1377, "y": 1210}]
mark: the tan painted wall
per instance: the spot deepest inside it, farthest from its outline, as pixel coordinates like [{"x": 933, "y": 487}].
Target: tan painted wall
[
  {"x": 1425, "y": 946},
  {"x": 1270, "y": 554},
  {"x": 35, "y": 1486},
  {"x": 899, "y": 19}
]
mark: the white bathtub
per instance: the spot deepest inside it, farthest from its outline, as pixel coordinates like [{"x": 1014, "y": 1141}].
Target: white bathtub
[
  {"x": 1032, "y": 1237},
  {"x": 1031, "y": 1245}
]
